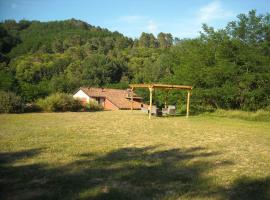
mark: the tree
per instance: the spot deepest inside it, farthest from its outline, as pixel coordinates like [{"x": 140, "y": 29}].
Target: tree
[
  {"x": 165, "y": 40},
  {"x": 99, "y": 70},
  {"x": 228, "y": 67},
  {"x": 148, "y": 40}
]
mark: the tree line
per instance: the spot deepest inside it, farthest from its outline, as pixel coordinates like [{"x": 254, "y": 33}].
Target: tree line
[{"x": 229, "y": 68}]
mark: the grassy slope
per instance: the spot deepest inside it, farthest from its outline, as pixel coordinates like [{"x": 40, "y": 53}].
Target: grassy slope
[
  {"x": 259, "y": 115},
  {"x": 123, "y": 155}
]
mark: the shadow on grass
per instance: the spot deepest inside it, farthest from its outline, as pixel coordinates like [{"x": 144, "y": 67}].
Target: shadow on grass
[
  {"x": 14, "y": 156},
  {"x": 249, "y": 188},
  {"x": 127, "y": 173}
]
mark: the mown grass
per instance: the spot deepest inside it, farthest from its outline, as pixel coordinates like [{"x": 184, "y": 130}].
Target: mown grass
[{"x": 123, "y": 155}]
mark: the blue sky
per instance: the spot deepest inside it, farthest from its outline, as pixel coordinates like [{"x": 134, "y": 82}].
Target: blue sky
[{"x": 131, "y": 17}]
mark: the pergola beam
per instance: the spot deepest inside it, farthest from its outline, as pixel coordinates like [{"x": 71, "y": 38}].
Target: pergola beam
[{"x": 162, "y": 86}]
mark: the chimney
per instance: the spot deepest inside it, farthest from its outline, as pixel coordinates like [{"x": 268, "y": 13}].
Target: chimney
[{"x": 129, "y": 91}]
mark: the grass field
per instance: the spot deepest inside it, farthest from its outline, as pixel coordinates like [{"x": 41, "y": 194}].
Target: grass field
[{"x": 123, "y": 155}]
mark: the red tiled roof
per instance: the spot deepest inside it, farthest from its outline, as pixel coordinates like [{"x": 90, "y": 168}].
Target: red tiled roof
[{"x": 118, "y": 97}]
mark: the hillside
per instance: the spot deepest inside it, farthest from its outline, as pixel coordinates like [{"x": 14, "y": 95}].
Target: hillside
[{"x": 229, "y": 68}]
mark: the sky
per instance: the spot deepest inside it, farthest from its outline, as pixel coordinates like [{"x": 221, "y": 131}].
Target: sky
[{"x": 181, "y": 18}]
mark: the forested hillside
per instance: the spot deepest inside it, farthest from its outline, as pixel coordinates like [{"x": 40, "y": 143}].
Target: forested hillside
[{"x": 229, "y": 68}]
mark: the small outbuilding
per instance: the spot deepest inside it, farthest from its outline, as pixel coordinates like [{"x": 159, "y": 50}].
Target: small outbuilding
[{"x": 110, "y": 99}]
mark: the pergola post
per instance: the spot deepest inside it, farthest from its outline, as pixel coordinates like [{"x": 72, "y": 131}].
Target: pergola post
[
  {"x": 166, "y": 99},
  {"x": 131, "y": 98},
  {"x": 188, "y": 100},
  {"x": 150, "y": 103}
]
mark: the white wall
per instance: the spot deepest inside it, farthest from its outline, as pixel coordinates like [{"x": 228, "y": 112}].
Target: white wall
[{"x": 81, "y": 95}]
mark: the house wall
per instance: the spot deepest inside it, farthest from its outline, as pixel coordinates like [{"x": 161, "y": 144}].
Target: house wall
[
  {"x": 82, "y": 96},
  {"x": 109, "y": 105}
]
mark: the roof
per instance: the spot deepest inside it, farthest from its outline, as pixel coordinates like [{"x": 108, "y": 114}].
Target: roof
[
  {"x": 120, "y": 98},
  {"x": 161, "y": 86}
]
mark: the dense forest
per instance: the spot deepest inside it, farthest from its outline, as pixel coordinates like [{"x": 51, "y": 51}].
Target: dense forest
[{"x": 229, "y": 68}]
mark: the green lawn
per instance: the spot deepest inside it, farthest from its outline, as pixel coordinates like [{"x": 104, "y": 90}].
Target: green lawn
[{"x": 123, "y": 155}]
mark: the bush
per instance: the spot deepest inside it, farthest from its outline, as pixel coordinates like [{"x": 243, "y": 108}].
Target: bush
[
  {"x": 196, "y": 109},
  {"x": 31, "y": 107},
  {"x": 92, "y": 106},
  {"x": 10, "y": 103},
  {"x": 59, "y": 102}
]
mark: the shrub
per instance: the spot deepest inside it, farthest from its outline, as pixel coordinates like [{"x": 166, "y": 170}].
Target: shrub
[
  {"x": 59, "y": 102},
  {"x": 195, "y": 109},
  {"x": 31, "y": 107},
  {"x": 92, "y": 106},
  {"x": 10, "y": 103}
]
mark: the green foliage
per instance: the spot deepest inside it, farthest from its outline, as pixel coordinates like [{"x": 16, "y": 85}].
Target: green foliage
[
  {"x": 6, "y": 80},
  {"x": 196, "y": 109},
  {"x": 31, "y": 107},
  {"x": 121, "y": 85},
  {"x": 99, "y": 70},
  {"x": 92, "y": 106},
  {"x": 229, "y": 68},
  {"x": 7, "y": 41},
  {"x": 165, "y": 40},
  {"x": 58, "y": 36},
  {"x": 259, "y": 115},
  {"x": 30, "y": 92},
  {"x": 10, "y": 103},
  {"x": 59, "y": 102}
]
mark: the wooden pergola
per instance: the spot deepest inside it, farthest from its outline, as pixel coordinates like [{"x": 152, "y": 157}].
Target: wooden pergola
[{"x": 167, "y": 87}]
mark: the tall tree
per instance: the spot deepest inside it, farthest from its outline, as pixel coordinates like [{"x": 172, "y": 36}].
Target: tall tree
[{"x": 165, "y": 40}]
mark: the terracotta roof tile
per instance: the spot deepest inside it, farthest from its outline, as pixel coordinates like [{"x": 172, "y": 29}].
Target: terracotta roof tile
[{"x": 118, "y": 97}]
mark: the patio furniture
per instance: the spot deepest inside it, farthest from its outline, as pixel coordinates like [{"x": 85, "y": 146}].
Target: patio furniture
[
  {"x": 156, "y": 111},
  {"x": 169, "y": 111},
  {"x": 144, "y": 110},
  {"x": 164, "y": 111}
]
